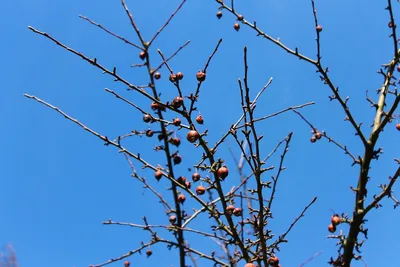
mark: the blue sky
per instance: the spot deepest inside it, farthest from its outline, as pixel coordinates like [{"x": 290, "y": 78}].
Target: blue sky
[{"x": 59, "y": 183}]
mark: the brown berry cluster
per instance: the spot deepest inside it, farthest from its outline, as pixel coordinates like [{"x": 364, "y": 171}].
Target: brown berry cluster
[
  {"x": 317, "y": 135},
  {"x": 335, "y": 221}
]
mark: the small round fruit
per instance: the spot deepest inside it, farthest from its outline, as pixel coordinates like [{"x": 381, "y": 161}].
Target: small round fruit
[
  {"x": 236, "y": 26},
  {"x": 177, "y": 102},
  {"x": 158, "y": 175},
  {"x": 319, "y": 28},
  {"x": 200, "y": 190},
  {"x": 188, "y": 184},
  {"x": 175, "y": 141},
  {"x": 192, "y": 136},
  {"x": 249, "y": 265},
  {"x": 143, "y": 55},
  {"x": 223, "y": 172},
  {"x": 157, "y": 75},
  {"x": 176, "y": 121},
  {"x": 331, "y": 228},
  {"x": 149, "y": 253},
  {"x": 172, "y": 77},
  {"x": 147, "y": 118},
  {"x": 273, "y": 260},
  {"x": 181, "y": 198},
  {"x": 335, "y": 220},
  {"x": 318, "y": 135},
  {"x": 181, "y": 180},
  {"x": 240, "y": 17},
  {"x": 127, "y": 264},
  {"x": 199, "y": 119},
  {"x": 398, "y": 126},
  {"x": 154, "y": 106},
  {"x": 149, "y": 133},
  {"x": 196, "y": 177},
  {"x": 219, "y": 14},
  {"x": 179, "y": 76},
  {"x": 313, "y": 139},
  {"x": 390, "y": 24},
  {"x": 237, "y": 212},
  {"x": 177, "y": 159},
  {"x": 230, "y": 209},
  {"x": 201, "y": 76},
  {"x": 172, "y": 219}
]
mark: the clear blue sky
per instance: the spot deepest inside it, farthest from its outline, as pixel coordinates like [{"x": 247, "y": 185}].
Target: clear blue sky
[{"x": 58, "y": 183}]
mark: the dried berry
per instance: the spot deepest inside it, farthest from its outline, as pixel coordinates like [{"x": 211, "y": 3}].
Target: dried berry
[
  {"x": 319, "y": 28},
  {"x": 223, "y": 172},
  {"x": 172, "y": 219},
  {"x": 200, "y": 190},
  {"x": 192, "y": 136},
  {"x": 313, "y": 139},
  {"x": 181, "y": 180},
  {"x": 149, "y": 133},
  {"x": 179, "y": 76},
  {"x": 331, "y": 228},
  {"x": 240, "y": 17},
  {"x": 149, "y": 253},
  {"x": 176, "y": 121},
  {"x": 177, "y": 159},
  {"x": 188, "y": 184},
  {"x": 181, "y": 198},
  {"x": 398, "y": 126},
  {"x": 172, "y": 77},
  {"x": 127, "y": 264},
  {"x": 201, "y": 76},
  {"x": 174, "y": 141},
  {"x": 249, "y": 265},
  {"x": 335, "y": 220},
  {"x": 196, "y": 177},
  {"x": 147, "y": 118},
  {"x": 318, "y": 135},
  {"x": 158, "y": 175},
  {"x": 143, "y": 55},
  {"x": 177, "y": 102},
  {"x": 219, "y": 14},
  {"x": 199, "y": 119},
  {"x": 273, "y": 261},
  {"x": 237, "y": 212},
  {"x": 230, "y": 209},
  {"x": 236, "y": 26},
  {"x": 157, "y": 75}
]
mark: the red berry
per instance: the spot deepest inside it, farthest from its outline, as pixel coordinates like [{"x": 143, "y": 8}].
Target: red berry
[
  {"x": 172, "y": 219},
  {"x": 219, "y": 14},
  {"x": 149, "y": 133},
  {"x": 249, "y": 265},
  {"x": 143, "y": 55},
  {"x": 230, "y": 209},
  {"x": 274, "y": 260},
  {"x": 177, "y": 102},
  {"x": 319, "y": 28},
  {"x": 331, "y": 228},
  {"x": 155, "y": 106},
  {"x": 175, "y": 141},
  {"x": 192, "y": 136},
  {"x": 201, "y": 76},
  {"x": 236, "y": 26},
  {"x": 149, "y": 253},
  {"x": 240, "y": 17},
  {"x": 335, "y": 220},
  {"x": 181, "y": 180},
  {"x": 318, "y": 135},
  {"x": 127, "y": 264},
  {"x": 147, "y": 118},
  {"x": 200, "y": 190},
  {"x": 177, "y": 159},
  {"x": 158, "y": 175},
  {"x": 196, "y": 177},
  {"x": 237, "y": 212},
  {"x": 157, "y": 75},
  {"x": 179, "y": 76},
  {"x": 398, "y": 126},
  {"x": 172, "y": 77},
  {"x": 176, "y": 121},
  {"x": 181, "y": 198},
  {"x": 313, "y": 139},
  {"x": 200, "y": 119},
  {"x": 223, "y": 172}
]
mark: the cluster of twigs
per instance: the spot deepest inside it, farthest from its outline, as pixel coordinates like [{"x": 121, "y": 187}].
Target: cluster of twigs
[
  {"x": 8, "y": 257},
  {"x": 241, "y": 231}
]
